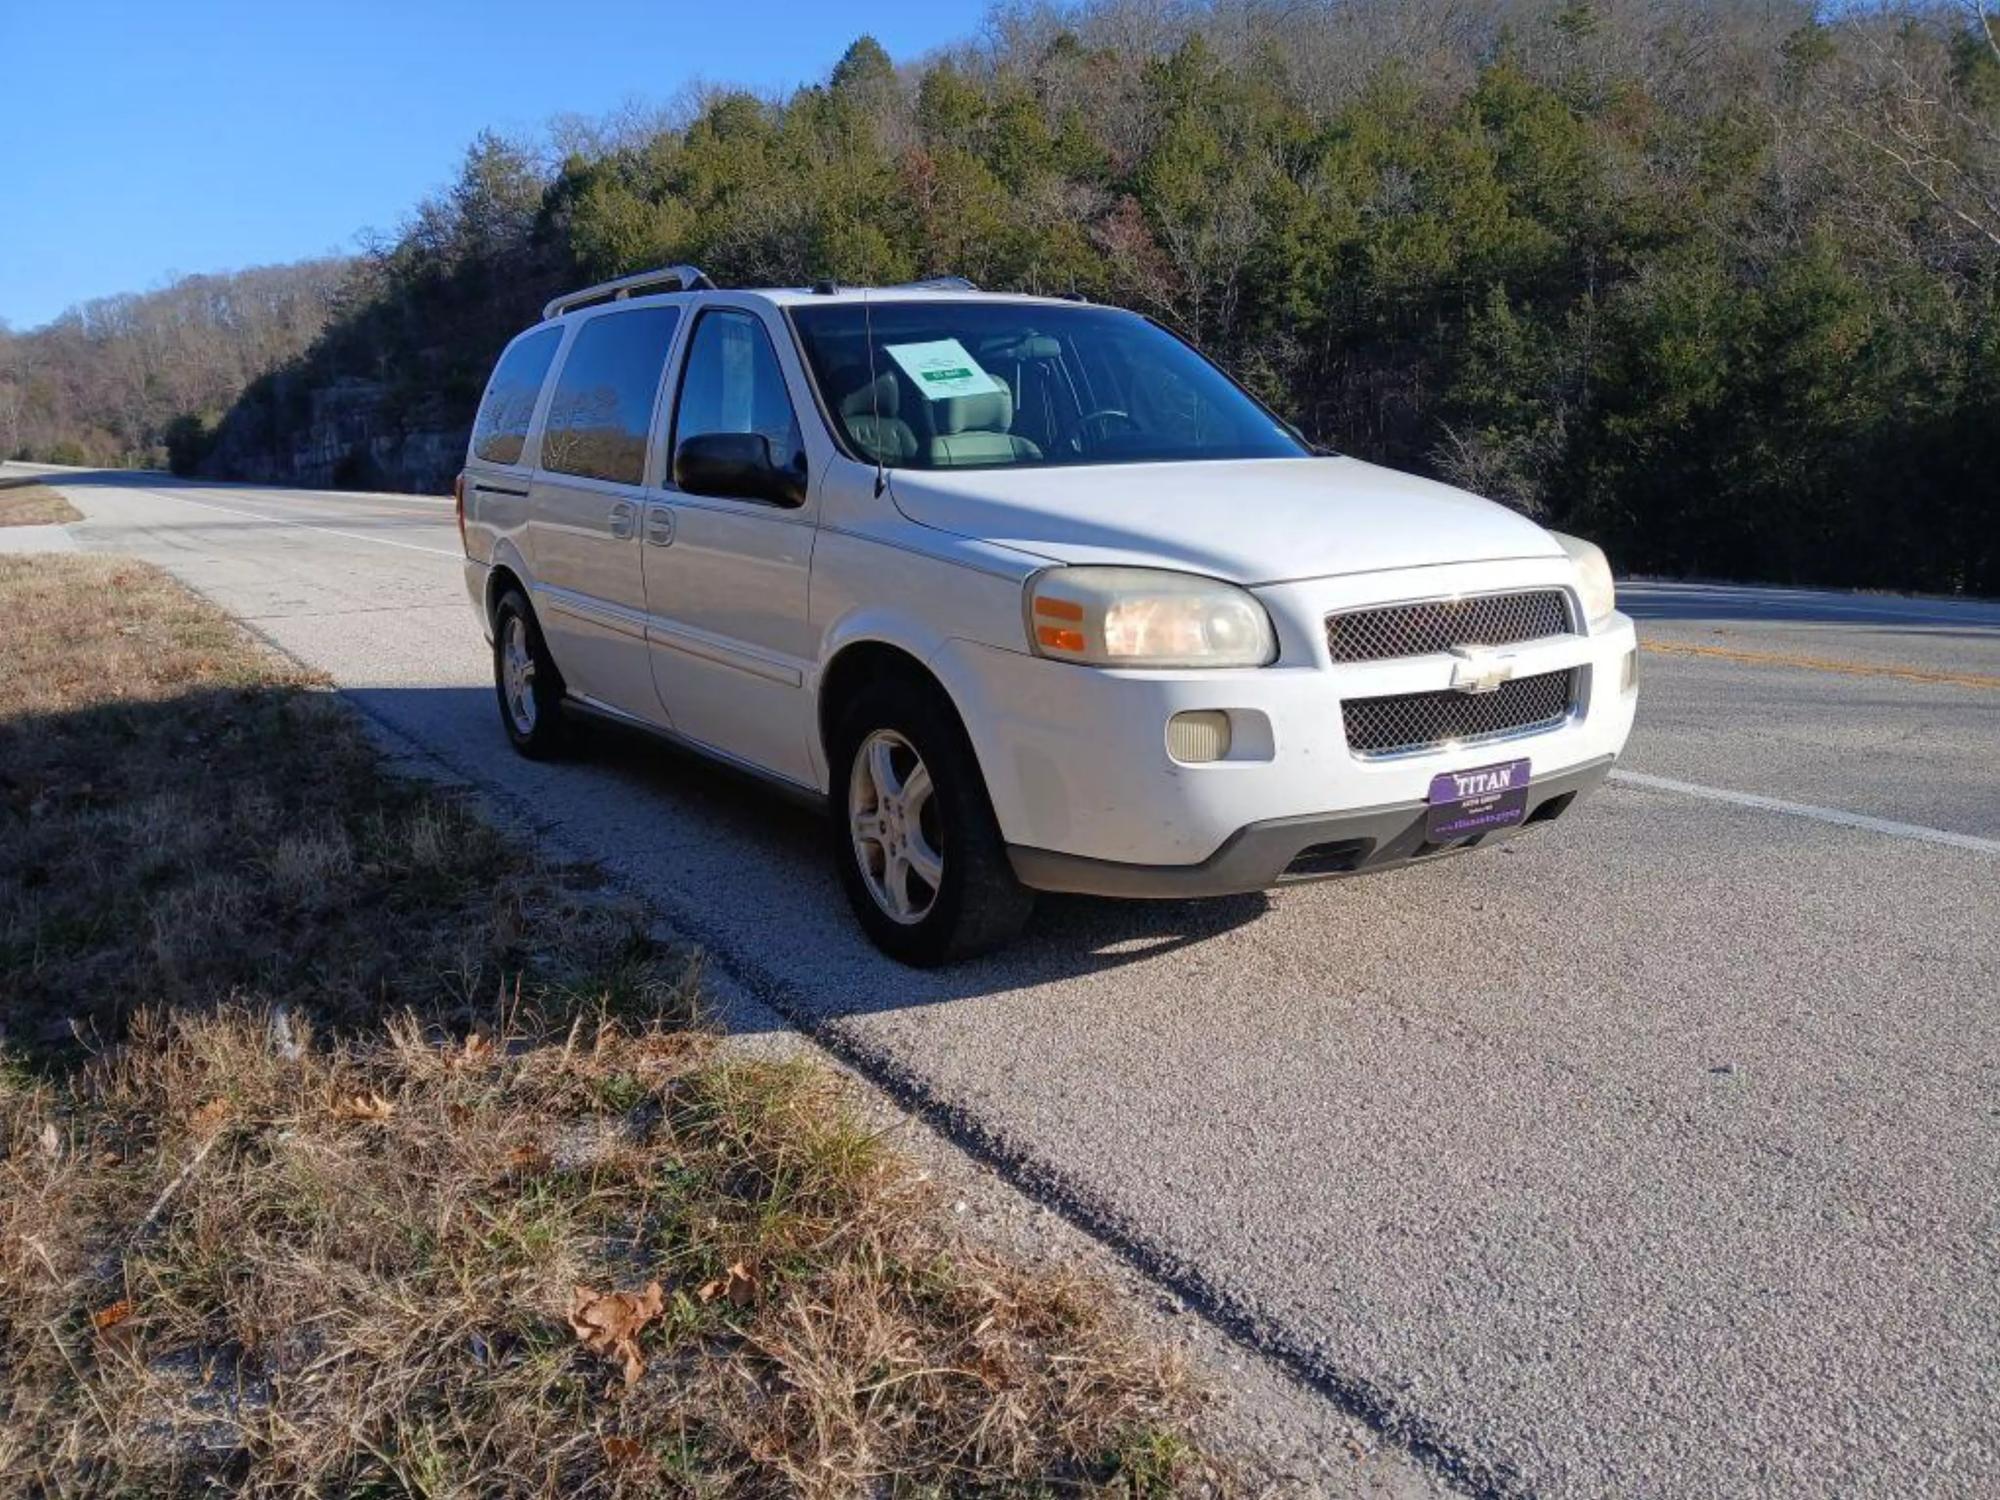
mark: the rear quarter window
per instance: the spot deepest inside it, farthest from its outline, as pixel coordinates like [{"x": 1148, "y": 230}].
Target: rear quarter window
[{"x": 500, "y": 431}]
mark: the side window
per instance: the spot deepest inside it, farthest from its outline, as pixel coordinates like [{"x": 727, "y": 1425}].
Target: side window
[
  {"x": 500, "y": 430},
  {"x": 733, "y": 384},
  {"x": 603, "y": 404}
]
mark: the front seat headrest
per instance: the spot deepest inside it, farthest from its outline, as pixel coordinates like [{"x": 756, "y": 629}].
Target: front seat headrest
[
  {"x": 990, "y": 411},
  {"x": 878, "y": 397}
]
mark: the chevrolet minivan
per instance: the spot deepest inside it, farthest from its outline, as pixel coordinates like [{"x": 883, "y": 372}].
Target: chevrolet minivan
[{"x": 1027, "y": 591}]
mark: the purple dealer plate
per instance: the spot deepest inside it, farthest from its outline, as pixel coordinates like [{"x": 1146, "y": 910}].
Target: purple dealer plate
[{"x": 1463, "y": 803}]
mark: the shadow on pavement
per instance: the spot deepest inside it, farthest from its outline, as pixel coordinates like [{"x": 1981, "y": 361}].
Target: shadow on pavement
[{"x": 745, "y": 870}]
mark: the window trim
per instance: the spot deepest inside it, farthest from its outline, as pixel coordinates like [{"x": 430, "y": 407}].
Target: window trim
[
  {"x": 667, "y": 484},
  {"x": 834, "y": 432},
  {"x": 576, "y": 327}
]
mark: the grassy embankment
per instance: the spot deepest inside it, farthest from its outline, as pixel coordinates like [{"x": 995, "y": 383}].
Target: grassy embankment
[
  {"x": 330, "y": 1120},
  {"x": 23, "y": 502}
]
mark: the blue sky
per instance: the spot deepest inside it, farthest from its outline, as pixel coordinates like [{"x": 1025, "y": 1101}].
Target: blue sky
[{"x": 144, "y": 140}]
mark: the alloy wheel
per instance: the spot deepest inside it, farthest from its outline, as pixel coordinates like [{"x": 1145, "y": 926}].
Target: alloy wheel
[
  {"x": 517, "y": 674},
  {"x": 893, "y": 821}
]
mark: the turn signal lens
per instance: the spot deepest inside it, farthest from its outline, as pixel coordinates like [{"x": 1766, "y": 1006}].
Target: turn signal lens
[
  {"x": 458, "y": 504},
  {"x": 1146, "y": 617},
  {"x": 1063, "y": 637}
]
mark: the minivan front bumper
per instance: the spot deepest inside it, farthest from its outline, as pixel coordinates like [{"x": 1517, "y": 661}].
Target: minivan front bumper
[
  {"x": 1077, "y": 762},
  {"x": 1295, "y": 850}
]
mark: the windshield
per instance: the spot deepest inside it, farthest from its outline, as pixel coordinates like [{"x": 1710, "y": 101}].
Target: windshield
[{"x": 990, "y": 384}]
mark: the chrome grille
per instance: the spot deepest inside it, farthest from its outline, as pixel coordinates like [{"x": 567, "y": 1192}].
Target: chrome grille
[
  {"x": 1432, "y": 625},
  {"x": 1424, "y": 721}
]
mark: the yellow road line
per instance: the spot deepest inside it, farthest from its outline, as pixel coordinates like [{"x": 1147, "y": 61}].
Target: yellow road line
[{"x": 1823, "y": 664}]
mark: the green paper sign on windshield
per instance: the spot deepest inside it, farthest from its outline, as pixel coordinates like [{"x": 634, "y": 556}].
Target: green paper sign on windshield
[{"x": 942, "y": 370}]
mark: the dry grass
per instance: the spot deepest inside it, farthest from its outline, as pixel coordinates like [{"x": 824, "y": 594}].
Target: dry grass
[
  {"x": 319, "y": 1099},
  {"x": 184, "y": 820},
  {"x": 25, "y": 503}
]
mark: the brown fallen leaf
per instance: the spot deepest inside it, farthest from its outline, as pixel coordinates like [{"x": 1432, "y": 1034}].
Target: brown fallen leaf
[
  {"x": 527, "y": 1158},
  {"x": 368, "y": 1106},
  {"x": 670, "y": 1046},
  {"x": 478, "y": 1049},
  {"x": 738, "y": 1284},
  {"x": 609, "y": 1322},
  {"x": 993, "y": 1370},
  {"x": 112, "y": 1316},
  {"x": 621, "y": 1450},
  {"x": 208, "y": 1118}
]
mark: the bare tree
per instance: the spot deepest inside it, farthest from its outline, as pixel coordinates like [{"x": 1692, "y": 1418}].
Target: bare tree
[
  {"x": 109, "y": 374},
  {"x": 1913, "y": 119},
  {"x": 10, "y": 419}
]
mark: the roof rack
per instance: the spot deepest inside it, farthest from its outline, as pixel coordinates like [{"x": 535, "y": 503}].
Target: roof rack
[
  {"x": 684, "y": 278},
  {"x": 827, "y": 287}
]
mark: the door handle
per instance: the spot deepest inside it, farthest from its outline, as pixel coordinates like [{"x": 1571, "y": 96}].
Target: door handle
[
  {"x": 659, "y": 526},
  {"x": 624, "y": 520}
]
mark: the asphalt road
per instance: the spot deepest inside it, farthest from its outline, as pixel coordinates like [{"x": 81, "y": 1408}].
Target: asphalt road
[{"x": 1655, "y": 1153}]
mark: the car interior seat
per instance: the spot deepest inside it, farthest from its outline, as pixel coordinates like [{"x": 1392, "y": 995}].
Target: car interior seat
[
  {"x": 872, "y": 414},
  {"x": 977, "y": 430}
]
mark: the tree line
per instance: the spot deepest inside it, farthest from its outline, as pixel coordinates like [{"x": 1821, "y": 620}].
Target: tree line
[
  {"x": 1717, "y": 283},
  {"x": 121, "y": 380}
]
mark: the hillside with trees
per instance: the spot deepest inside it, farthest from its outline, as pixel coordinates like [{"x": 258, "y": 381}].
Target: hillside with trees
[
  {"x": 1717, "y": 284},
  {"x": 123, "y": 380}
]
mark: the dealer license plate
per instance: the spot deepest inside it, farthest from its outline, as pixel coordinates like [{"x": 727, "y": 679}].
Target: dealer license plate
[{"x": 1464, "y": 803}]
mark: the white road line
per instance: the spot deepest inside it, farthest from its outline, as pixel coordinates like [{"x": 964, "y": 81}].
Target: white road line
[
  {"x": 1915, "y": 831},
  {"x": 278, "y": 494},
  {"x": 254, "y": 515},
  {"x": 432, "y": 503}
]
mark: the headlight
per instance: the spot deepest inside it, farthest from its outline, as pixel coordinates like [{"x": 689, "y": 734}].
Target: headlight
[
  {"x": 1593, "y": 575},
  {"x": 1146, "y": 617}
]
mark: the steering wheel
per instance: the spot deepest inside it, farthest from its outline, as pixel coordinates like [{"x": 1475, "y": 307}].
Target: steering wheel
[{"x": 1106, "y": 414}]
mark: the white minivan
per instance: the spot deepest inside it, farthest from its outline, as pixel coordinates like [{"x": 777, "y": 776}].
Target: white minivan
[{"x": 1029, "y": 592}]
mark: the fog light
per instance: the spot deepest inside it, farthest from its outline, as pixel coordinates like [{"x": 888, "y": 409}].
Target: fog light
[
  {"x": 1197, "y": 736},
  {"x": 1631, "y": 681}
]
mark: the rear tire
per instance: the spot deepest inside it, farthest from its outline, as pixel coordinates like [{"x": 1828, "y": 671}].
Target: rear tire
[
  {"x": 525, "y": 678},
  {"x": 914, "y": 838}
]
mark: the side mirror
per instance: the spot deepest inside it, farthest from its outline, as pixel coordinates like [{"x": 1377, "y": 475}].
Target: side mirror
[{"x": 738, "y": 466}]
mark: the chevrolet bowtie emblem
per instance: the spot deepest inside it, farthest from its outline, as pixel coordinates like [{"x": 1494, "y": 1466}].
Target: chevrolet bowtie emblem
[{"x": 1478, "y": 669}]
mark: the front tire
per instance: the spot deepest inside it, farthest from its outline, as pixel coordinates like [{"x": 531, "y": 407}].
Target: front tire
[
  {"x": 919, "y": 852},
  {"x": 530, "y": 688}
]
